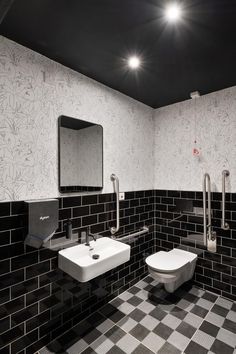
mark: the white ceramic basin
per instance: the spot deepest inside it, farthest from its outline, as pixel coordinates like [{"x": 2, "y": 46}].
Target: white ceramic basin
[{"x": 78, "y": 262}]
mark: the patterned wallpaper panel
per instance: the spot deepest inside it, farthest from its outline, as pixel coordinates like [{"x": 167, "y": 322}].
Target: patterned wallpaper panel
[
  {"x": 210, "y": 121},
  {"x": 34, "y": 92}
]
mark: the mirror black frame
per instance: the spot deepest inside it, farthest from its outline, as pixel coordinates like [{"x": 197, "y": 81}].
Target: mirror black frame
[{"x": 74, "y": 189}]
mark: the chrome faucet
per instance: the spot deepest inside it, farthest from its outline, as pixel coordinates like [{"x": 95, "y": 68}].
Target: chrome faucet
[{"x": 88, "y": 235}]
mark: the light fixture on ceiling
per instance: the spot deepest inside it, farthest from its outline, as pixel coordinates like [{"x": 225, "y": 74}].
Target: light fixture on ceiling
[
  {"x": 134, "y": 62},
  {"x": 195, "y": 94},
  {"x": 173, "y": 12}
]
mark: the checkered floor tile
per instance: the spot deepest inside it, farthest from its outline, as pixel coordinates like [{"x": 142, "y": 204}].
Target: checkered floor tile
[{"x": 145, "y": 319}]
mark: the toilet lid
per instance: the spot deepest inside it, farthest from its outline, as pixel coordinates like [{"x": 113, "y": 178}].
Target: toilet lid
[{"x": 171, "y": 261}]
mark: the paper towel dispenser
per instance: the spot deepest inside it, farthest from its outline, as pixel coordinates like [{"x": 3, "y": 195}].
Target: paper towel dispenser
[{"x": 42, "y": 221}]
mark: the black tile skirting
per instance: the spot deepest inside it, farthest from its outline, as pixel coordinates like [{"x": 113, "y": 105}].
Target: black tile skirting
[
  {"x": 215, "y": 272},
  {"x": 38, "y": 302}
]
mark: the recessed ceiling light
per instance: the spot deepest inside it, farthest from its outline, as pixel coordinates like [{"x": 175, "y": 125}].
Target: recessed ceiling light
[
  {"x": 173, "y": 12},
  {"x": 134, "y": 62},
  {"x": 195, "y": 94}
]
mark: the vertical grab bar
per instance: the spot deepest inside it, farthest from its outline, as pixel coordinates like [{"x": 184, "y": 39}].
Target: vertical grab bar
[
  {"x": 224, "y": 225},
  {"x": 207, "y": 227},
  {"x": 115, "y": 181}
]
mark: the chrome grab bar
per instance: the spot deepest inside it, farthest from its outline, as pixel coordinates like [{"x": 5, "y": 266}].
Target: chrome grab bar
[
  {"x": 115, "y": 180},
  {"x": 142, "y": 231},
  {"x": 207, "y": 233},
  {"x": 224, "y": 225}
]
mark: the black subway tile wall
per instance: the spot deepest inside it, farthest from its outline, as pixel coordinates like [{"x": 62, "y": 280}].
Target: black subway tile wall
[
  {"x": 38, "y": 302},
  {"x": 179, "y": 215}
]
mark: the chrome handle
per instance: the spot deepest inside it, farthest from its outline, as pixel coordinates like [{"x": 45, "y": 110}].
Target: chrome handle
[
  {"x": 142, "y": 231},
  {"x": 207, "y": 227},
  {"x": 224, "y": 225},
  {"x": 115, "y": 180}
]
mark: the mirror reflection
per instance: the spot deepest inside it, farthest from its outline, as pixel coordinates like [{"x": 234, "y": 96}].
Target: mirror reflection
[{"x": 80, "y": 155}]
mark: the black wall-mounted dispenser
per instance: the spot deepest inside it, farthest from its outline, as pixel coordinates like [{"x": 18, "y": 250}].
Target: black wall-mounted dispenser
[{"x": 42, "y": 221}]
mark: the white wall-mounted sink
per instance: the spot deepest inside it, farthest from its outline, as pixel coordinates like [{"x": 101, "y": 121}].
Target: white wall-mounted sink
[{"x": 78, "y": 261}]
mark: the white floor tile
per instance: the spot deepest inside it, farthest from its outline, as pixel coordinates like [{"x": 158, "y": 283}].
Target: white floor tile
[
  {"x": 178, "y": 340},
  {"x": 203, "y": 339}
]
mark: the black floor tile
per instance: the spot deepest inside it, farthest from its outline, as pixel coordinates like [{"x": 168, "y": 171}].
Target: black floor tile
[
  {"x": 219, "y": 310},
  {"x": 193, "y": 348},
  {"x": 229, "y": 325},
  {"x": 112, "y": 313},
  {"x": 219, "y": 347},
  {"x": 163, "y": 331},
  {"x": 186, "y": 329},
  {"x": 209, "y": 328},
  {"x": 165, "y": 321},
  {"x": 168, "y": 348},
  {"x": 139, "y": 332},
  {"x": 141, "y": 349},
  {"x": 199, "y": 311}
]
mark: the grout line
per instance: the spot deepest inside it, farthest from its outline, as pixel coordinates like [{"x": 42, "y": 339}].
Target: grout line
[
  {"x": 203, "y": 318},
  {"x": 196, "y": 329},
  {"x": 155, "y": 240},
  {"x": 115, "y": 324}
]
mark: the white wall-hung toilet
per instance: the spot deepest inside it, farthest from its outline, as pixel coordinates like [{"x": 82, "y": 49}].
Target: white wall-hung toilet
[{"x": 172, "y": 268}]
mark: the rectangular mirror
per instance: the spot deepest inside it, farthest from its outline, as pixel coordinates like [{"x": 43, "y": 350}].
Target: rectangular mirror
[{"x": 80, "y": 155}]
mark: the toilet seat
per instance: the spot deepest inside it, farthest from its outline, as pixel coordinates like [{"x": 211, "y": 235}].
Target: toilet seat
[
  {"x": 172, "y": 268},
  {"x": 170, "y": 262}
]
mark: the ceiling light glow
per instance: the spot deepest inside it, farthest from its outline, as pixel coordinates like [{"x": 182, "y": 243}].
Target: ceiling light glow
[
  {"x": 173, "y": 12},
  {"x": 134, "y": 62}
]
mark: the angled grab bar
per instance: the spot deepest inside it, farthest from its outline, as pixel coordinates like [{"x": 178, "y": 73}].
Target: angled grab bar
[
  {"x": 142, "y": 231},
  {"x": 224, "y": 225},
  {"x": 115, "y": 180}
]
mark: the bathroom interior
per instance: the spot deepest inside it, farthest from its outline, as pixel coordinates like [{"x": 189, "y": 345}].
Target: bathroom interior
[{"x": 117, "y": 176}]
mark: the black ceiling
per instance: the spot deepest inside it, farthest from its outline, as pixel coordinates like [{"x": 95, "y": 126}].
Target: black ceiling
[{"x": 95, "y": 37}]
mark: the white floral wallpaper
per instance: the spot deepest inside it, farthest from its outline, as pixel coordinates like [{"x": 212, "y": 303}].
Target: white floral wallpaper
[
  {"x": 34, "y": 91},
  {"x": 210, "y": 121}
]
